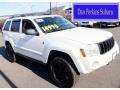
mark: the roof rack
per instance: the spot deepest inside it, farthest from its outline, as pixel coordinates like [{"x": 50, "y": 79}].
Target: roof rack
[
  {"x": 29, "y": 14},
  {"x": 22, "y": 15}
]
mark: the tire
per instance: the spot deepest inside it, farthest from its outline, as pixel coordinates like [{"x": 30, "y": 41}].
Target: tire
[
  {"x": 10, "y": 53},
  {"x": 95, "y": 25},
  {"x": 100, "y": 25},
  {"x": 62, "y": 73}
]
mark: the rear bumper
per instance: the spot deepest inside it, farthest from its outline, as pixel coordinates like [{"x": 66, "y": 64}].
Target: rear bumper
[
  {"x": 84, "y": 24},
  {"x": 109, "y": 23},
  {"x": 92, "y": 63}
]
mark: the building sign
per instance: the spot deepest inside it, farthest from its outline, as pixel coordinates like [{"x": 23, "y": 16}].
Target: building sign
[{"x": 95, "y": 11}]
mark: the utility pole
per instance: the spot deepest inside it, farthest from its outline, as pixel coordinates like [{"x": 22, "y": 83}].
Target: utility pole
[
  {"x": 50, "y": 9},
  {"x": 31, "y": 7}
]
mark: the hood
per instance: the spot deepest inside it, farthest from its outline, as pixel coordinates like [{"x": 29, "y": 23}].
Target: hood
[{"x": 83, "y": 35}]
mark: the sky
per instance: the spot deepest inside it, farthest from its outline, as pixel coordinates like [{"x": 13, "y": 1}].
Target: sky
[{"x": 10, "y": 8}]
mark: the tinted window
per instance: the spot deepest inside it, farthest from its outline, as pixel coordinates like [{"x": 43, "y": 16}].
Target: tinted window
[
  {"x": 26, "y": 25},
  {"x": 15, "y": 25},
  {"x": 7, "y": 25}
]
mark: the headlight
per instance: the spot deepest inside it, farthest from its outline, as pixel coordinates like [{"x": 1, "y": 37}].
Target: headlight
[{"x": 91, "y": 50}]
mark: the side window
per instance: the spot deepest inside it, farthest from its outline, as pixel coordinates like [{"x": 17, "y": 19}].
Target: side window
[
  {"x": 15, "y": 26},
  {"x": 7, "y": 25},
  {"x": 27, "y": 25}
]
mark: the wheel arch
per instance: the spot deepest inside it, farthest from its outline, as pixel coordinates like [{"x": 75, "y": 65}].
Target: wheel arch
[
  {"x": 54, "y": 53},
  {"x": 9, "y": 42}
]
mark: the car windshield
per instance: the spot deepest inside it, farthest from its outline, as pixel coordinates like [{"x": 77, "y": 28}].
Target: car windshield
[{"x": 53, "y": 24}]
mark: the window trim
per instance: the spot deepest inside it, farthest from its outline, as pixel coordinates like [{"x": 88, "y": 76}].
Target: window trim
[
  {"x": 19, "y": 25},
  {"x": 5, "y": 25},
  {"x": 30, "y": 22}
]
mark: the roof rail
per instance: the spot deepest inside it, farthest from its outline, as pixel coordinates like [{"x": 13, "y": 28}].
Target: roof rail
[
  {"x": 29, "y": 14},
  {"x": 22, "y": 15}
]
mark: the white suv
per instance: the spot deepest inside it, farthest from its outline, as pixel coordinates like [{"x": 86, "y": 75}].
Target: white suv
[{"x": 67, "y": 50}]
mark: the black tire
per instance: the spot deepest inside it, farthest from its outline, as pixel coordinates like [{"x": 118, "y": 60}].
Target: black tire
[
  {"x": 95, "y": 25},
  {"x": 62, "y": 73},
  {"x": 100, "y": 25},
  {"x": 10, "y": 53}
]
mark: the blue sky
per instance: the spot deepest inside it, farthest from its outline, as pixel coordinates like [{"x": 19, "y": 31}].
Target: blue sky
[{"x": 10, "y": 8}]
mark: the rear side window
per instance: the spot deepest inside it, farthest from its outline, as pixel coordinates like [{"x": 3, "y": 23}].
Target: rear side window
[
  {"x": 15, "y": 25},
  {"x": 7, "y": 25}
]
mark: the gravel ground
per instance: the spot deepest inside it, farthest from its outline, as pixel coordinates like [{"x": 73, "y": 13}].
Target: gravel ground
[{"x": 25, "y": 73}]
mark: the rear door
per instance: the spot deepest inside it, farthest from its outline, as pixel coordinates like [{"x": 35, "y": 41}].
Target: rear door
[
  {"x": 14, "y": 33},
  {"x": 5, "y": 30}
]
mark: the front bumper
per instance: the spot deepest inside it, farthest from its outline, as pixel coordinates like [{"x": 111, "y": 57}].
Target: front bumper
[{"x": 92, "y": 63}]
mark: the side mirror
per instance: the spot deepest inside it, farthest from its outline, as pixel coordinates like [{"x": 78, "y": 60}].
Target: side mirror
[{"x": 31, "y": 32}]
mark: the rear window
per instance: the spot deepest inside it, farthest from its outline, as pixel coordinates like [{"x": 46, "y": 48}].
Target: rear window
[
  {"x": 7, "y": 25},
  {"x": 15, "y": 25}
]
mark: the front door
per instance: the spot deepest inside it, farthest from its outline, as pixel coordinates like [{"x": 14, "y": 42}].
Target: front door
[{"x": 30, "y": 45}]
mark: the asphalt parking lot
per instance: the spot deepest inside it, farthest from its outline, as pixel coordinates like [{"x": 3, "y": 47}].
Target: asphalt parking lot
[{"x": 25, "y": 73}]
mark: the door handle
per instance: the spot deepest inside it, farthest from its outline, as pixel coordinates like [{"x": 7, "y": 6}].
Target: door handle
[
  {"x": 21, "y": 37},
  {"x": 10, "y": 35}
]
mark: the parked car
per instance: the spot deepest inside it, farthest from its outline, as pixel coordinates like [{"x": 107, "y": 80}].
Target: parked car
[
  {"x": 97, "y": 24},
  {"x": 1, "y": 25},
  {"x": 66, "y": 49},
  {"x": 81, "y": 24},
  {"x": 104, "y": 24},
  {"x": 84, "y": 24}
]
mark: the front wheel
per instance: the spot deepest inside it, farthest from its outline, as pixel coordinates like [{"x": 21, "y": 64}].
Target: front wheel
[
  {"x": 62, "y": 73},
  {"x": 10, "y": 53}
]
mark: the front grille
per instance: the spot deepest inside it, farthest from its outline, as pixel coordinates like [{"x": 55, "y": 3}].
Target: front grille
[{"x": 107, "y": 45}]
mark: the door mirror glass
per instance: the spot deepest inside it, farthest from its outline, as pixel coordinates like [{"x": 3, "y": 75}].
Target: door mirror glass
[{"x": 31, "y": 32}]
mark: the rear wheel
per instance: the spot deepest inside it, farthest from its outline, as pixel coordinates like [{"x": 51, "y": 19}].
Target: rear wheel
[
  {"x": 62, "y": 73},
  {"x": 10, "y": 53}
]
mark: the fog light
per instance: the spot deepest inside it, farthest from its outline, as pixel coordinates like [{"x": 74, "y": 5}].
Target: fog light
[{"x": 95, "y": 64}]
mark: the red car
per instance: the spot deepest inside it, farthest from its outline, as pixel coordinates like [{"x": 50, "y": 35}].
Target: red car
[{"x": 1, "y": 25}]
